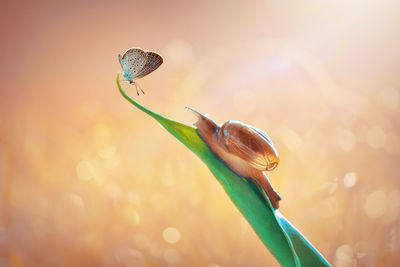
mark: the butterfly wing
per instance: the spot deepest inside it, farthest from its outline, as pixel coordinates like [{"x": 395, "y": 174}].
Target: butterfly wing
[
  {"x": 121, "y": 61},
  {"x": 124, "y": 66},
  {"x": 133, "y": 62},
  {"x": 153, "y": 61}
]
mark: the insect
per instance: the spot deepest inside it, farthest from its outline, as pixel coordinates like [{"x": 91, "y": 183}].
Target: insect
[
  {"x": 137, "y": 63},
  {"x": 246, "y": 150}
]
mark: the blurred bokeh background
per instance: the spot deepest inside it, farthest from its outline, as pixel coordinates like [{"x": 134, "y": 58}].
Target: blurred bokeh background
[{"x": 86, "y": 179}]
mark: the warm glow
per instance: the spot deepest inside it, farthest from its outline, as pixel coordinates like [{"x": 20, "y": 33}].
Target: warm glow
[
  {"x": 88, "y": 180},
  {"x": 171, "y": 235}
]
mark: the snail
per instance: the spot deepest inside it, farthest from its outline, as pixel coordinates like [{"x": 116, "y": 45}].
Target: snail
[{"x": 246, "y": 150}]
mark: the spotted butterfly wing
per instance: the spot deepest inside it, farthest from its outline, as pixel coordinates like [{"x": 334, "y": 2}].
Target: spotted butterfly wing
[
  {"x": 137, "y": 63},
  {"x": 153, "y": 61},
  {"x": 132, "y": 62}
]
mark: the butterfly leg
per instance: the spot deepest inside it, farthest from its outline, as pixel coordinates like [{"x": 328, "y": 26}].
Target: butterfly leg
[
  {"x": 140, "y": 88},
  {"x": 137, "y": 92}
]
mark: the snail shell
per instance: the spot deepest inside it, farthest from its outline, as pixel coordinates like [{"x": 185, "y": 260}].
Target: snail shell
[{"x": 246, "y": 150}]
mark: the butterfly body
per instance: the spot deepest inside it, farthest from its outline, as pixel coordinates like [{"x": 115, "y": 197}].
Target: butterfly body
[{"x": 137, "y": 63}]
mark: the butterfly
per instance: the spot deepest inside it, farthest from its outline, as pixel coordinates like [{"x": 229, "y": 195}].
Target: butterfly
[{"x": 137, "y": 63}]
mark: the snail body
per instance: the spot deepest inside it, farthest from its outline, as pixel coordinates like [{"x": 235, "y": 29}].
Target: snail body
[{"x": 246, "y": 150}]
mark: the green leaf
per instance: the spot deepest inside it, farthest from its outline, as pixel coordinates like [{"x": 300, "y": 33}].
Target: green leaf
[{"x": 284, "y": 241}]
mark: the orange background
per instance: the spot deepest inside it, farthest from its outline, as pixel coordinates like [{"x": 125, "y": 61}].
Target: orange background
[{"x": 88, "y": 180}]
